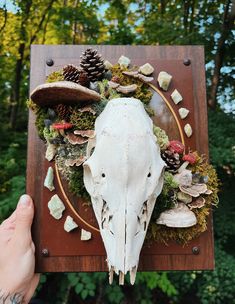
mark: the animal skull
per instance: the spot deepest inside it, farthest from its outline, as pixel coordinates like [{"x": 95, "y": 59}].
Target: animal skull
[{"x": 124, "y": 176}]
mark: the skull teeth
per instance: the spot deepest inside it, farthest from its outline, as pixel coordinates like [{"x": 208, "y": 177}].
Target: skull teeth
[
  {"x": 133, "y": 275},
  {"x": 111, "y": 275},
  {"x": 121, "y": 278}
]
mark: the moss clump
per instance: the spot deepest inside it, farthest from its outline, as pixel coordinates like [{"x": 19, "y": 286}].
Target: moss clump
[
  {"x": 50, "y": 134},
  {"x": 76, "y": 184},
  {"x": 41, "y": 115},
  {"x": 55, "y": 76},
  {"x": 106, "y": 92},
  {"x": 164, "y": 234},
  {"x": 83, "y": 120},
  {"x": 162, "y": 138},
  {"x": 142, "y": 93},
  {"x": 31, "y": 105}
]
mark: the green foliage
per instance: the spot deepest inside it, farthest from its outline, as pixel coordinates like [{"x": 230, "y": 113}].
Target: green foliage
[
  {"x": 221, "y": 140},
  {"x": 76, "y": 184},
  {"x": 121, "y": 22}
]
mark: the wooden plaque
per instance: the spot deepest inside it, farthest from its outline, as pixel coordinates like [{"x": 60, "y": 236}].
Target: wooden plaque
[{"x": 59, "y": 251}]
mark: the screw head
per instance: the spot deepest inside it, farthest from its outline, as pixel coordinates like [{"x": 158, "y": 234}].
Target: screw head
[
  {"x": 195, "y": 250},
  {"x": 187, "y": 62},
  {"x": 45, "y": 252},
  {"x": 50, "y": 62}
]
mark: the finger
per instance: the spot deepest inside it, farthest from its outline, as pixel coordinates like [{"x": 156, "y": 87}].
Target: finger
[
  {"x": 32, "y": 287},
  {"x": 10, "y": 219},
  {"x": 23, "y": 222}
]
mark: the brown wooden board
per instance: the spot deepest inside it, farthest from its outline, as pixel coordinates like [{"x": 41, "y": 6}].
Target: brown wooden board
[{"x": 65, "y": 251}]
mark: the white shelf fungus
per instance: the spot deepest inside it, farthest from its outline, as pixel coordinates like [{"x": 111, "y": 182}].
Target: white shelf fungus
[
  {"x": 69, "y": 224},
  {"x": 56, "y": 207}
]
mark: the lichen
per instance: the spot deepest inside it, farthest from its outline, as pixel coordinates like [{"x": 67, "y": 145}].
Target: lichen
[
  {"x": 55, "y": 76},
  {"x": 162, "y": 138},
  {"x": 82, "y": 120},
  {"x": 142, "y": 93}
]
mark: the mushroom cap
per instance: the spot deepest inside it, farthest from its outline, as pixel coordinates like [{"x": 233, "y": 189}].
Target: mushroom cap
[
  {"x": 176, "y": 146},
  {"x": 191, "y": 158},
  {"x": 67, "y": 92},
  {"x": 62, "y": 125}
]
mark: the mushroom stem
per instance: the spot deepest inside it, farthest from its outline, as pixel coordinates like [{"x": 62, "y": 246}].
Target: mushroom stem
[
  {"x": 62, "y": 133},
  {"x": 183, "y": 166}
]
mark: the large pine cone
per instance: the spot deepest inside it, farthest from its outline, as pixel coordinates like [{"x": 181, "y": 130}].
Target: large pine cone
[
  {"x": 74, "y": 74},
  {"x": 172, "y": 160},
  {"x": 93, "y": 64},
  {"x": 63, "y": 111}
]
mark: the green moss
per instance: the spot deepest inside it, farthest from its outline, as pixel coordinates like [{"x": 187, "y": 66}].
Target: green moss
[
  {"x": 164, "y": 234},
  {"x": 55, "y": 76},
  {"x": 162, "y": 138},
  {"x": 76, "y": 184},
  {"x": 142, "y": 93},
  {"x": 83, "y": 120},
  {"x": 41, "y": 115},
  {"x": 31, "y": 105},
  {"x": 106, "y": 92},
  {"x": 50, "y": 133}
]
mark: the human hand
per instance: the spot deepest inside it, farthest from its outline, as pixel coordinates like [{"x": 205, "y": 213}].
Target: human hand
[{"x": 17, "y": 261}]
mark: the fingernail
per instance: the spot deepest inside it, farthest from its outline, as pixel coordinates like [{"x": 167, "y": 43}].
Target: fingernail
[{"x": 24, "y": 201}]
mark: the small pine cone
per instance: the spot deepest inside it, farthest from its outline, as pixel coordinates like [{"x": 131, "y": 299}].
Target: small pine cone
[
  {"x": 93, "y": 64},
  {"x": 172, "y": 160},
  {"x": 83, "y": 79},
  {"x": 71, "y": 73},
  {"x": 63, "y": 111}
]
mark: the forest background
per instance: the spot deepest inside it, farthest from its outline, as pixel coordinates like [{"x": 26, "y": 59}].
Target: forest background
[{"x": 174, "y": 22}]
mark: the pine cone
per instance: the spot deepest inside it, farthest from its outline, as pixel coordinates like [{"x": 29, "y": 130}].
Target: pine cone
[
  {"x": 63, "y": 111},
  {"x": 71, "y": 73},
  {"x": 93, "y": 64},
  {"x": 172, "y": 160},
  {"x": 83, "y": 79}
]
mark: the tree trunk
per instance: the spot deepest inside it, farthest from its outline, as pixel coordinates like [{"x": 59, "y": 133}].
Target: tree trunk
[{"x": 227, "y": 26}]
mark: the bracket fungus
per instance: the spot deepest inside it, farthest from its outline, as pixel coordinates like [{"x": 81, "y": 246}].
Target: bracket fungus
[
  {"x": 67, "y": 92},
  {"x": 178, "y": 217}
]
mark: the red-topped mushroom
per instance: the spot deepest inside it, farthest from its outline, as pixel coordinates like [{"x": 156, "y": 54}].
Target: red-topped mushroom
[
  {"x": 61, "y": 126},
  {"x": 188, "y": 159},
  {"x": 191, "y": 158},
  {"x": 176, "y": 146}
]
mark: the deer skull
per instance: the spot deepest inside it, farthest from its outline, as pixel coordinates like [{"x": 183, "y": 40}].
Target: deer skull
[{"x": 124, "y": 176}]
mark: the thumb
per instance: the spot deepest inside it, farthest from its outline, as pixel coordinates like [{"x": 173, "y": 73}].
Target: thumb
[{"x": 24, "y": 218}]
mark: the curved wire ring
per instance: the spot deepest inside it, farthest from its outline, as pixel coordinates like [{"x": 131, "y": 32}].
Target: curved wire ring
[{"x": 58, "y": 174}]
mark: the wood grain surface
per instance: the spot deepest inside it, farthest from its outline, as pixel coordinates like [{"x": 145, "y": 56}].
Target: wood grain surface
[{"x": 65, "y": 250}]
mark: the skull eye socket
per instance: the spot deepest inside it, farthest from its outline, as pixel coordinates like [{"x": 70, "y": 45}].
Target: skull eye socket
[
  {"x": 149, "y": 174},
  {"x": 103, "y": 175}
]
